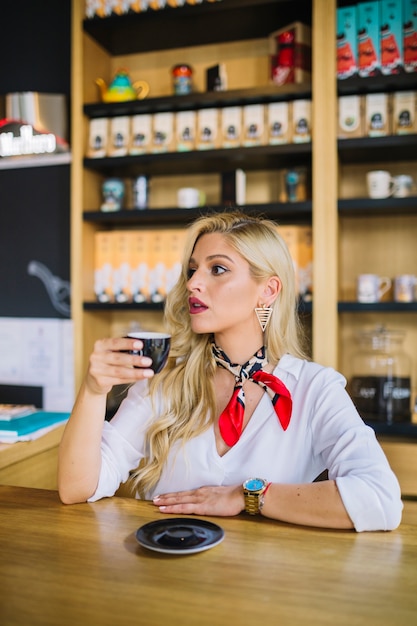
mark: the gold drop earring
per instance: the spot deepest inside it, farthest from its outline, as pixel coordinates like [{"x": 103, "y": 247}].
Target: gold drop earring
[{"x": 263, "y": 314}]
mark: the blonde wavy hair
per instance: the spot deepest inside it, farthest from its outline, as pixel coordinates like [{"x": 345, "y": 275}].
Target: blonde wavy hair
[{"x": 186, "y": 383}]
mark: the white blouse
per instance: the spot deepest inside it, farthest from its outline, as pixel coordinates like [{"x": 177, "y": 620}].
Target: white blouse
[{"x": 325, "y": 432}]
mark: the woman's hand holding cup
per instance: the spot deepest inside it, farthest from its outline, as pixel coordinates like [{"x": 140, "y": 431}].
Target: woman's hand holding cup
[
  {"x": 154, "y": 345},
  {"x": 117, "y": 361}
]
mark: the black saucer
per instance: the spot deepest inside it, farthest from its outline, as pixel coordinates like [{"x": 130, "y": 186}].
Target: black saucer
[{"x": 178, "y": 535}]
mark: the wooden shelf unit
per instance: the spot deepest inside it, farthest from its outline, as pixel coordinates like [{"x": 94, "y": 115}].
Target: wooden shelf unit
[{"x": 351, "y": 234}]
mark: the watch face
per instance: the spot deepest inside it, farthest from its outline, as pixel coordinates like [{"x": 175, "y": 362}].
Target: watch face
[{"x": 254, "y": 484}]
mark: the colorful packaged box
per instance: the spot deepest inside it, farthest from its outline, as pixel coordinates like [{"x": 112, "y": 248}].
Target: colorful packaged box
[
  {"x": 157, "y": 266},
  {"x": 404, "y": 112},
  {"x": 94, "y": 8},
  {"x": 140, "y": 134},
  {"x": 377, "y": 115},
  {"x": 103, "y": 266},
  {"x": 140, "y": 245},
  {"x": 410, "y": 35},
  {"x": 290, "y": 54},
  {"x": 207, "y": 129},
  {"x": 185, "y": 129},
  {"x": 350, "y": 117},
  {"x": 119, "y": 136},
  {"x": 174, "y": 251},
  {"x": 98, "y": 138},
  {"x": 369, "y": 58},
  {"x": 231, "y": 127},
  {"x": 122, "y": 266},
  {"x": 301, "y": 121},
  {"x": 299, "y": 240},
  {"x": 278, "y": 123},
  {"x": 253, "y": 125},
  {"x": 392, "y": 58},
  {"x": 163, "y": 132},
  {"x": 346, "y": 42}
]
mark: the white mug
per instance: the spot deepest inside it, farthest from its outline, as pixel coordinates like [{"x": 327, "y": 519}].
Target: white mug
[
  {"x": 190, "y": 197},
  {"x": 405, "y": 288},
  {"x": 380, "y": 184},
  {"x": 402, "y": 186},
  {"x": 371, "y": 287}
]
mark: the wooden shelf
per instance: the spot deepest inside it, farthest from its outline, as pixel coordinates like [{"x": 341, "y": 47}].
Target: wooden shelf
[
  {"x": 204, "y": 161},
  {"x": 123, "y": 306},
  {"x": 398, "y": 429},
  {"x": 198, "y": 25},
  {"x": 378, "y": 149},
  {"x": 368, "y": 207},
  {"x": 377, "y": 307},
  {"x": 227, "y": 21},
  {"x": 305, "y": 308},
  {"x": 200, "y": 100},
  {"x": 284, "y": 212},
  {"x": 376, "y": 84}
]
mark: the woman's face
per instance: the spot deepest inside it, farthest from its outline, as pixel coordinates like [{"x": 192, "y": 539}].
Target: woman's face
[{"x": 222, "y": 292}]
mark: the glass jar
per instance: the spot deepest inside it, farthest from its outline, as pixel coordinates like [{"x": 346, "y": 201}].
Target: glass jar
[
  {"x": 381, "y": 383},
  {"x": 182, "y": 76},
  {"x": 140, "y": 192}
]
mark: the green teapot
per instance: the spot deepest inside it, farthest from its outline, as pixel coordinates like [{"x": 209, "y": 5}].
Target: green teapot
[{"x": 122, "y": 89}]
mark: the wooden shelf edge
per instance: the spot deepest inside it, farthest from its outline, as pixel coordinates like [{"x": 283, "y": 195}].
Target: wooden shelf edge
[
  {"x": 304, "y": 308},
  {"x": 366, "y": 149},
  {"x": 376, "y": 307},
  {"x": 375, "y": 84},
  {"x": 397, "y": 429},
  {"x": 297, "y": 212},
  {"x": 366, "y": 207},
  {"x": 200, "y": 100},
  {"x": 218, "y": 160}
]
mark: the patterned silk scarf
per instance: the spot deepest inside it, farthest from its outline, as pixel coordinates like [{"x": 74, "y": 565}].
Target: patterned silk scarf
[{"x": 231, "y": 420}]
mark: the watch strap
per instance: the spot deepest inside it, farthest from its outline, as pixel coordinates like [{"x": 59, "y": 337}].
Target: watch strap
[{"x": 252, "y": 502}]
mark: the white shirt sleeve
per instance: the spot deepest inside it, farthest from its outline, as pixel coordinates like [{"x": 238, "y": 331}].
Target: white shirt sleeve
[
  {"x": 122, "y": 444},
  {"x": 352, "y": 455}
]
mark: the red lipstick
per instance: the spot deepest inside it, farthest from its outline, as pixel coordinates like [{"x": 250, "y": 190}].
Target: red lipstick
[{"x": 196, "y": 306}]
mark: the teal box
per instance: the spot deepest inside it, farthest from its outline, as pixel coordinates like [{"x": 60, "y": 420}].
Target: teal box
[
  {"x": 392, "y": 58},
  {"x": 369, "y": 58},
  {"x": 410, "y": 35},
  {"x": 346, "y": 44}
]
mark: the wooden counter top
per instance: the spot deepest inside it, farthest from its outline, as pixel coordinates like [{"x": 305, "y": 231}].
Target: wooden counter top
[{"x": 81, "y": 564}]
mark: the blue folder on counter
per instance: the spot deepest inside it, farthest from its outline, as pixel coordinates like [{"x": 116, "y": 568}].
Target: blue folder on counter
[{"x": 30, "y": 423}]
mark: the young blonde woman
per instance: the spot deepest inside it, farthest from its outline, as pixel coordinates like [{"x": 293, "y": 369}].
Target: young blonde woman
[{"x": 239, "y": 419}]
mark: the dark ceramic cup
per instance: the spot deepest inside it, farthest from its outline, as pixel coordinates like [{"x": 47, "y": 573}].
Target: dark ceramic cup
[{"x": 155, "y": 346}]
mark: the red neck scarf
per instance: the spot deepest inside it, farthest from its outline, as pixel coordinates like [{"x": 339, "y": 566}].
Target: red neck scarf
[{"x": 231, "y": 420}]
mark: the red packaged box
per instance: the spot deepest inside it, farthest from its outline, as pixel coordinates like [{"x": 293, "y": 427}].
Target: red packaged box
[{"x": 290, "y": 54}]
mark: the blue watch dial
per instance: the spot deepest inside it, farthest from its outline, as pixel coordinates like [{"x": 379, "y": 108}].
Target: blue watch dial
[{"x": 254, "y": 484}]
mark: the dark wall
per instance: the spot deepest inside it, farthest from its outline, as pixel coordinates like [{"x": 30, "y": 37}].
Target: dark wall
[
  {"x": 35, "y": 46},
  {"x": 35, "y": 54}
]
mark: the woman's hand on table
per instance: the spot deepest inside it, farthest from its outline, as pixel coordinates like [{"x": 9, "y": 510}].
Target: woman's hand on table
[{"x": 220, "y": 501}]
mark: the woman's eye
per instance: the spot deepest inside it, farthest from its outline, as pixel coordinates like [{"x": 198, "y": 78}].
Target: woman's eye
[
  {"x": 190, "y": 272},
  {"x": 218, "y": 269}
]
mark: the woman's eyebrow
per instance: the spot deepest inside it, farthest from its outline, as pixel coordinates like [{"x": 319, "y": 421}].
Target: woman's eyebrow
[
  {"x": 219, "y": 256},
  {"x": 211, "y": 257}
]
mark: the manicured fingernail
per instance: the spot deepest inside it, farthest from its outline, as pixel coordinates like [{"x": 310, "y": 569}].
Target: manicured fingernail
[{"x": 156, "y": 498}]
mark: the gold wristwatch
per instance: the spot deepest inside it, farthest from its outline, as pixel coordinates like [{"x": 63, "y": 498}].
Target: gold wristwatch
[{"x": 253, "y": 489}]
